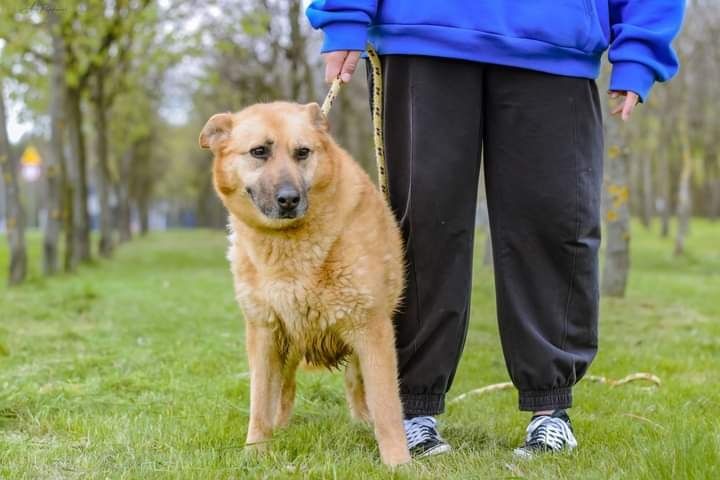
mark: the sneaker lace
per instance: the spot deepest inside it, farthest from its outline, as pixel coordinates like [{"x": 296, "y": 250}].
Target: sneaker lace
[
  {"x": 551, "y": 433},
  {"x": 419, "y": 430}
]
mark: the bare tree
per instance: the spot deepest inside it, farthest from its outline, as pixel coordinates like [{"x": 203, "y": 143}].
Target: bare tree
[
  {"x": 122, "y": 189},
  {"x": 648, "y": 209},
  {"x": 55, "y": 174},
  {"x": 78, "y": 179},
  {"x": 105, "y": 88},
  {"x": 300, "y": 72},
  {"x": 14, "y": 218},
  {"x": 664, "y": 187},
  {"x": 684, "y": 201},
  {"x": 99, "y": 106},
  {"x": 617, "y": 215}
]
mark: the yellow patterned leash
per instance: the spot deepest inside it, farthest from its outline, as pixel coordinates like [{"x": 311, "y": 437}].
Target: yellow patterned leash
[{"x": 377, "y": 114}]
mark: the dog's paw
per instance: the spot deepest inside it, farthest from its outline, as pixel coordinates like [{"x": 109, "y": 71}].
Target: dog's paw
[
  {"x": 397, "y": 459},
  {"x": 258, "y": 447}
]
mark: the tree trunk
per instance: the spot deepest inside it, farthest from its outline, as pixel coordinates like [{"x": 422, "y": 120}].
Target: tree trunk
[
  {"x": 101, "y": 151},
  {"x": 68, "y": 193},
  {"x": 123, "y": 195},
  {"x": 78, "y": 176},
  {"x": 210, "y": 211},
  {"x": 647, "y": 196},
  {"x": 300, "y": 72},
  {"x": 634, "y": 176},
  {"x": 684, "y": 202},
  {"x": 144, "y": 214},
  {"x": 295, "y": 51},
  {"x": 715, "y": 200},
  {"x": 712, "y": 179},
  {"x": 665, "y": 203},
  {"x": 55, "y": 174},
  {"x": 14, "y": 220},
  {"x": 617, "y": 215}
]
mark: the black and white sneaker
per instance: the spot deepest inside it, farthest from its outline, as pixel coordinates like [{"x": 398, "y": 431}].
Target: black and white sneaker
[
  {"x": 423, "y": 438},
  {"x": 548, "y": 433}
]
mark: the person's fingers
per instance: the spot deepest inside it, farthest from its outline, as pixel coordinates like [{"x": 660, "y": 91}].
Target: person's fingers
[
  {"x": 617, "y": 109},
  {"x": 616, "y": 106},
  {"x": 627, "y": 109},
  {"x": 628, "y": 106},
  {"x": 349, "y": 66},
  {"x": 334, "y": 64}
]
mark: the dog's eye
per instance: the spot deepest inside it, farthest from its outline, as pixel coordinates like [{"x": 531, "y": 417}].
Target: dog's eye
[
  {"x": 302, "y": 153},
  {"x": 261, "y": 152}
]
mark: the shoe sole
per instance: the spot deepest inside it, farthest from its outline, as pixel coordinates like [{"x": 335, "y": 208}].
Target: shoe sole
[
  {"x": 527, "y": 455},
  {"x": 436, "y": 450}
]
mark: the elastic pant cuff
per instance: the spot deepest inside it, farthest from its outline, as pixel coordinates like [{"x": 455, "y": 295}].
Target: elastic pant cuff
[
  {"x": 422, "y": 405},
  {"x": 536, "y": 400}
]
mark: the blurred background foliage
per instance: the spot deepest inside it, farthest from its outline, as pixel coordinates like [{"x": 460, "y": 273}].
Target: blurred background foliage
[{"x": 113, "y": 93}]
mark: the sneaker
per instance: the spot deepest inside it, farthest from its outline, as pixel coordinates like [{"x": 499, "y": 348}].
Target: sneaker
[
  {"x": 548, "y": 433},
  {"x": 423, "y": 438}
]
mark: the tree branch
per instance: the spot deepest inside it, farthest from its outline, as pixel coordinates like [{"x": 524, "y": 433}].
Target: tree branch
[{"x": 27, "y": 50}]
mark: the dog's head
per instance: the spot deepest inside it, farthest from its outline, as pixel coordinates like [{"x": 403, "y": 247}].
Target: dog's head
[{"x": 268, "y": 158}]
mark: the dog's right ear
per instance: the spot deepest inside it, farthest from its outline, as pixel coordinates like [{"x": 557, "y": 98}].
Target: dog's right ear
[
  {"x": 216, "y": 130},
  {"x": 316, "y": 116}
]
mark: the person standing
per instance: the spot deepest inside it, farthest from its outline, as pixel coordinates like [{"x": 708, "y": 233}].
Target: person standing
[{"x": 515, "y": 81}]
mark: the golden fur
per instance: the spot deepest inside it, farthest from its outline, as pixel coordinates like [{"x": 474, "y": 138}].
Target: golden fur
[{"x": 319, "y": 288}]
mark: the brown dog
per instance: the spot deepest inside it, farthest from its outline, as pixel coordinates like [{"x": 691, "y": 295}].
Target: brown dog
[{"x": 317, "y": 261}]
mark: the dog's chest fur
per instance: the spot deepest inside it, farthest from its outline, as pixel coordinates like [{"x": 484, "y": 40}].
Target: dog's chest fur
[{"x": 310, "y": 301}]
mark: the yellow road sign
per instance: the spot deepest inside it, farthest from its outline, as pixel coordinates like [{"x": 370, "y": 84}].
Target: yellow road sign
[{"x": 31, "y": 157}]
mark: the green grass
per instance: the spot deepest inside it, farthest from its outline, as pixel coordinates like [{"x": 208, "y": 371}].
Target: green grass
[{"x": 134, "y": 368}]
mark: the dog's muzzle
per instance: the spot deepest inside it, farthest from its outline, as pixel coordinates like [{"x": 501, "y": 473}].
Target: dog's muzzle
[{"x": 287, "y": 202}]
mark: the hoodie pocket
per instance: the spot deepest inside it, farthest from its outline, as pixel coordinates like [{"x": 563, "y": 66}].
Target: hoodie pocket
[{"x": 564, "y": 23}]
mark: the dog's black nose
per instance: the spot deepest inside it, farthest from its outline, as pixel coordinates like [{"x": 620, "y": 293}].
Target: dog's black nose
[{"x": 288, "y": 198}]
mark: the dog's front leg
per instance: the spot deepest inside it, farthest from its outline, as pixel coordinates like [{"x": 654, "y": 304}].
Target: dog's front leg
[
  {"x": 375, "y": 348},
  {"x": 265, "y": 381}
]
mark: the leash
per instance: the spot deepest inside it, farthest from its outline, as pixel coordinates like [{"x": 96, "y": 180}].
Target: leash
[{"x": 377, "y": 114}]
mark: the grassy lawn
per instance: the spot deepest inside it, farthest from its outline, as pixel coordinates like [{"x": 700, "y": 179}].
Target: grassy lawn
[{"x": 134, "y": 368}]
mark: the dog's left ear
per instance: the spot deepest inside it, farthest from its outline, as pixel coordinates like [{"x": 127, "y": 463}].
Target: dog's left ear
[
  {"x": 216, "y": 130},
  {"x": 317, "y": 117}
]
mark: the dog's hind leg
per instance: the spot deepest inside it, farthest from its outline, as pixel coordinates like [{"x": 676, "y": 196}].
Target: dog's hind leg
[
  {"x": 287, "y": 393},
  {"x": 355, "y": 391},
  {"x": 378, "y": 365},
  {"x": 265, "y": 382}
]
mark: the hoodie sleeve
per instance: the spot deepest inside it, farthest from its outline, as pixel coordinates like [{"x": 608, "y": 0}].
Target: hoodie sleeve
[
  {"x": 344, "y": 22},
  {"x": 640, "y": 50}
]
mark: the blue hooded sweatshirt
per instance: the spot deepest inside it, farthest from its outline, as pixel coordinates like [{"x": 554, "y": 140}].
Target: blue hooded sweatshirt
[{"x": 564, "y": 37}]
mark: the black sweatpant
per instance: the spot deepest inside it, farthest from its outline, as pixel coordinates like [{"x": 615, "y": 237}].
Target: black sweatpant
[{"x": 543, "y": 150}]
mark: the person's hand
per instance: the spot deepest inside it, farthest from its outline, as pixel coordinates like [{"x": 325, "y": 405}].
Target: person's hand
[
  {"x": 626, "y": 105},
  {"x": 341, "y": 63}
]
